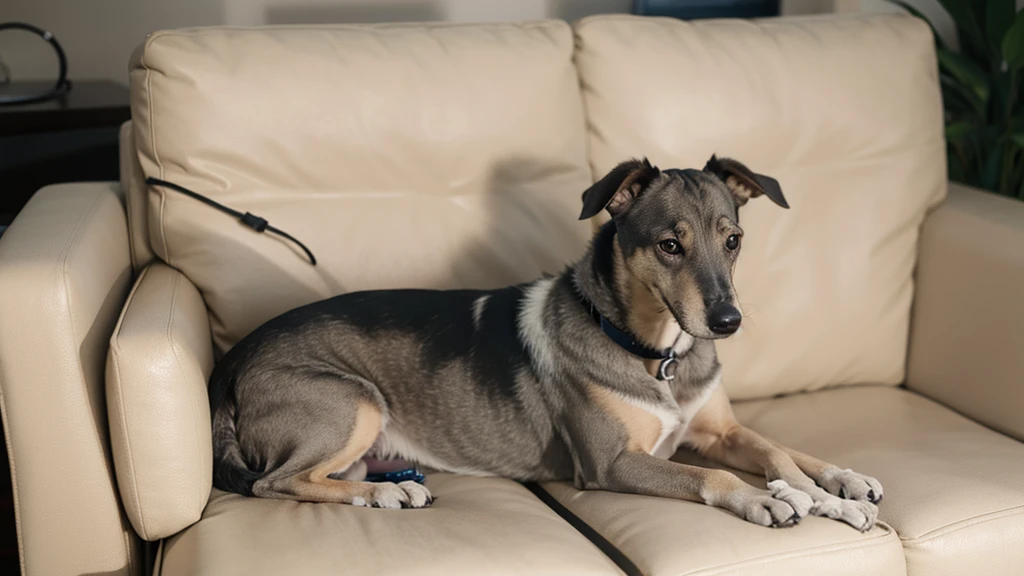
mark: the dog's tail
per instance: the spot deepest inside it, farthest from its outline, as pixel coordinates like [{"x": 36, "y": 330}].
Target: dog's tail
[{"x": 230, "y": 472}]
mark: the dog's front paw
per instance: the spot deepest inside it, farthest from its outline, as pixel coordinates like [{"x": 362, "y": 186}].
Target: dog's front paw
[
  {"x": 801, "y": 502},
  {"x": 406, "y": 494},
  {"x": 860, "y": 514},
  {"x": 779, "y": 506},
  {"x": 851, "y": 485}
]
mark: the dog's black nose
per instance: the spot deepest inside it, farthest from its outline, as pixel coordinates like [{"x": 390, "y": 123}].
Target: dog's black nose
[{"x": 724, "y": 318}]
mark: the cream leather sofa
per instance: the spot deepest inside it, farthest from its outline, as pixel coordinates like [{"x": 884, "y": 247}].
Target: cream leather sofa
[{"x": 885, "y": 329}]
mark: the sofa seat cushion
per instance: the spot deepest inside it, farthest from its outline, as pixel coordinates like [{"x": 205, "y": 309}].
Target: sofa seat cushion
[
  {"x": 673, "y": 537},
  {"x": 476, "y": 525},
  {"x": 953, "y": 488}
]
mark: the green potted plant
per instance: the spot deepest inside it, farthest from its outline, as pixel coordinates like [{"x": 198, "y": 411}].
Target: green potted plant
[{"x": 981, "y": 93}]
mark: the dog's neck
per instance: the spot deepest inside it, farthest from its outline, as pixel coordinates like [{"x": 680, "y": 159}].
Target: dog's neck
[{"x": 603, "y": 278}]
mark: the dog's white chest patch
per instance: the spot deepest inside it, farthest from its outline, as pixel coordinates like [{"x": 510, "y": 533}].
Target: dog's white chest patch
[
  {"x": 667, "y": 415},
  {"x": 688, "y": 408},
  {"x": 670, "y": 423},
  {"x": 531, "y": 324}
]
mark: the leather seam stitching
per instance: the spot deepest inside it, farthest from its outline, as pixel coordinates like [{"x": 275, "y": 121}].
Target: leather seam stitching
[
  {"x": 827, "y": 548},
  {"x": 69, "y": 251},
  {"x": 952, "y": 527},
  {"x": 152, "y": 141},
  {"x": 131, "y": 228},
  {"x": 385, "y": 26},
  {"x": 181, "y": 369},
  {"x": 64, "y": 257},
  {"x": 126, "y": 134},
  {"x": 115, "y": 349},
  {"x": 277, "y": 193},
  {"x": 14, "y": 480}
]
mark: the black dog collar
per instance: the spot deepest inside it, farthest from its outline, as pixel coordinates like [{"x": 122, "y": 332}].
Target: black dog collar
[{"x": 669, "y": 359}]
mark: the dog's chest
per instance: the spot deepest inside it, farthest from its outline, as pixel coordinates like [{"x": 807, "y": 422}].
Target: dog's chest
[
  {"x": 687, "y": 407},
  {"x": 647, "y": 423},
  {"x": 656, "y": 427},
  {"x": 684, "y": 402}
]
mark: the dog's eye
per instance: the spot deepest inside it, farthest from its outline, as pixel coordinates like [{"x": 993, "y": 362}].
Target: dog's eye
[
  {"x": 732, "y": 242},
  {"x": 670, "y": 247}
]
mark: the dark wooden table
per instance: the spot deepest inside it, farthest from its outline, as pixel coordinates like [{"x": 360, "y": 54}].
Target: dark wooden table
[
  {"x": 89, "y": 104},
  {"x": 72, "y": 138}
]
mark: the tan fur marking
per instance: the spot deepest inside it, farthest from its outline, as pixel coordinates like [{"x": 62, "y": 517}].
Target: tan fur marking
[
  {"x": 686, "y": 235},
  {"x": 692, "y": 302},
  {"x": 642, "y": 428},
  {"x": 314, "y": 484},
  {"x": 628, "y": 190},
  {"x": 711, "y": 423},
  {"x": 714, "y": 433},
  {"x": 740, "y": 190},
  {"x": 649, "y": 318}
]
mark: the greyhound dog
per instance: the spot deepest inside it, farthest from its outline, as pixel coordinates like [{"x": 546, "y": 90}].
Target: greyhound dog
[{"x": 596, "y": 375}]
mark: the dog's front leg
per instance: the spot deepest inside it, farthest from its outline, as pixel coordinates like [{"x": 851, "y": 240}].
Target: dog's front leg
[
  {"x": 842, "y": 483},
  {"x": 640, "y": 473},
  {"x": 840, "y": 494}
]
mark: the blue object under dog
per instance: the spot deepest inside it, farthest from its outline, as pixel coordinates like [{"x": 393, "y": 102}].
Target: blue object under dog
[{"x": 397, "y": 476}]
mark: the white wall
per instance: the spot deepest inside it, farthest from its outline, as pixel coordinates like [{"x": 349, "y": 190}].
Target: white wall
[{"x": 99, "y": 35}]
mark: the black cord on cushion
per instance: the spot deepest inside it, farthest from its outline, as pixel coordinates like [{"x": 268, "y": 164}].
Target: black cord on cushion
[{"x": 249, "y": 219}]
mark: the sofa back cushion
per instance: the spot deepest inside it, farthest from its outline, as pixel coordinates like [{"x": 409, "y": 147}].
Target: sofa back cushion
[
  {"x": 425, "y": 155},
  {"x": 846, "y": 113}
]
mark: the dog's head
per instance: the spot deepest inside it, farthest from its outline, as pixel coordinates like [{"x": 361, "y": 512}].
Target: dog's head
[{"x": 679, "y": 234}]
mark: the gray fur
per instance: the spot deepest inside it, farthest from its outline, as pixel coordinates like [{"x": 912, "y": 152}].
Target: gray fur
[{"x": 284, "y": 399}]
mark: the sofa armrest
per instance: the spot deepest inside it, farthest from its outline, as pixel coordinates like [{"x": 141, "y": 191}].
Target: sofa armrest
[
  {"x": 967, "y": 334},
  {"x": 65, "y": 272}
]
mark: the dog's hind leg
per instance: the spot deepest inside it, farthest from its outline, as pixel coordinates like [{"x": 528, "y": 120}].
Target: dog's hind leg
[{"x": 320, "y": 447}]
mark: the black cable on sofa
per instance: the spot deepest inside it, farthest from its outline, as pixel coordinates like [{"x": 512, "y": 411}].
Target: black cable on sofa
[
  {"x": 609, "y": 549},
  {"x": 249, "y": 219}
]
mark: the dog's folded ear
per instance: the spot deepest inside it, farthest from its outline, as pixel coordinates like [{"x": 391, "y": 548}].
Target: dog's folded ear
[
  {"x": 619, "y": 188},
  {"x": 744, "y": 183}
]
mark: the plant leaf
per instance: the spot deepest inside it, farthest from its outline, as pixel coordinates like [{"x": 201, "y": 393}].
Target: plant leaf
[
  {"x": 915, "y": 12},
  {"x": 959, "y": 131},
  {"x": 954, "y": 169},
  {"x": 965, "y": 71},
  {"x": 998, "y": 17},
  {"x": 1013, "y": 43},
  {"x": 970, "y": 100},
  {"x": 990, "y": 175},
  {"x": 1018, "y": 139},
  {"x": 1000, "y": 96}
]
